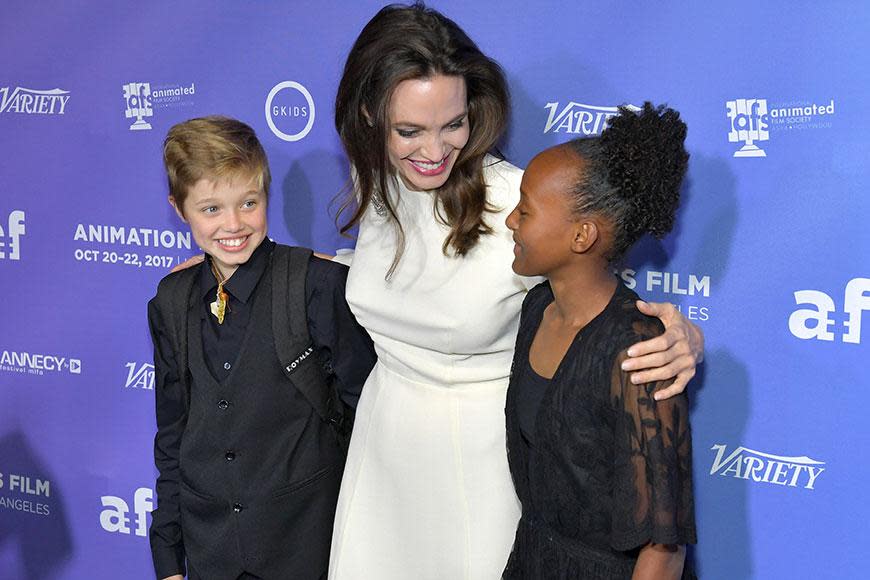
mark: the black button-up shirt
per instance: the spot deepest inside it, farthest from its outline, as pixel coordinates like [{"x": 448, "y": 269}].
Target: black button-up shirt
[{"x": 330, "y": 323}]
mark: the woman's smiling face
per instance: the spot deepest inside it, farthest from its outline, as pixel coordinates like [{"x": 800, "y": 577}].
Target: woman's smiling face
[{"x": 428, "y": 127}]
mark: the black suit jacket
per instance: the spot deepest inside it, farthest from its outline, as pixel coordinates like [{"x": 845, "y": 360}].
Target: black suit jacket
[{"x": 249, "y": 473}]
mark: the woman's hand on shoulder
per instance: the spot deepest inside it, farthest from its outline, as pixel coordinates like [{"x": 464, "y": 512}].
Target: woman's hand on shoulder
[
  {"x": 184, "y": 266},
  {"x": 673, "y": 355}
]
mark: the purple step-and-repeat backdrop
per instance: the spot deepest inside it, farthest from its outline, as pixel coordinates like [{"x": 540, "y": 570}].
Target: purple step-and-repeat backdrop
[{"x": 770, "y": 255}]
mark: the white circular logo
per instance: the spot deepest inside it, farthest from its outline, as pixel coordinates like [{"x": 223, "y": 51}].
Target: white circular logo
[{"x": 290, "y": 114}]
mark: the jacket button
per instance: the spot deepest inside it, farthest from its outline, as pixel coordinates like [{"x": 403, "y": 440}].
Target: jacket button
[
  {"x": 223, "y": 404},
  {"x": 237, "y": 507},
  {"x": 230, "y": 456}
]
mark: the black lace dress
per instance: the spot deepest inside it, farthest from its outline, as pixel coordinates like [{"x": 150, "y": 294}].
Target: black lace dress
[{"x": 600, "y": 467}]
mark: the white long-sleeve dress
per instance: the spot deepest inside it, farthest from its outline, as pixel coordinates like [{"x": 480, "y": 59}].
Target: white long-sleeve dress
[{"x": 426, "y": 493}]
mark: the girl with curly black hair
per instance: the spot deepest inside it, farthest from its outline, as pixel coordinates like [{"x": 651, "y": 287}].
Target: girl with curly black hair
[{"x": 603, "y": 471}]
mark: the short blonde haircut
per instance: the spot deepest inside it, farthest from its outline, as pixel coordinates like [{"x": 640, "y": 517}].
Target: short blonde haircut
[{"x": 213, "y": 148}]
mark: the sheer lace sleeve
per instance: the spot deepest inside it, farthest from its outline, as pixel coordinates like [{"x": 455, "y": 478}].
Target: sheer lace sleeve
[{"x": 652, "y": 494}]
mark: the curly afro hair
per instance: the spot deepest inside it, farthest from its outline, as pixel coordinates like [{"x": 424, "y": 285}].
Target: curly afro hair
[{"x": 633, "y": 173}]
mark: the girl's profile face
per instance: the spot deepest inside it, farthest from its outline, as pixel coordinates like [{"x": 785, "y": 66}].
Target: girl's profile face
[
  {"x": 543, "y": 222},
  {"x": 428, "y": 127}
]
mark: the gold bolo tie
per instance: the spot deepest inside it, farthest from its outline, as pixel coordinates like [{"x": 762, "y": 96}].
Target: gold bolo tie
[{"x": 219, "y": 306}]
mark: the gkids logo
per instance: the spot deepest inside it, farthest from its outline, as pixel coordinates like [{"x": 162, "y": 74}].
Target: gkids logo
[
  {"x": 140, "y": 376},
  {"x": 33, "y": 102},
  {"x": 290, "y": 111},
  {"x": 749, "y": 123},
  {"x": 855, "y": 302},
  {"x": 580, "y": 119},
  {"x": 137, "y": 96},
  {"x": 10, "y": 240},
  {"x": 748, "y": 464},
  {"x": 116, "y": 517}
]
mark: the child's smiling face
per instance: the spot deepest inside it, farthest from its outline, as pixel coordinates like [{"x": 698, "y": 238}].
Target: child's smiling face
[
  {"x": 543, "y": 223},
  {"x": 227, "y": 218}
]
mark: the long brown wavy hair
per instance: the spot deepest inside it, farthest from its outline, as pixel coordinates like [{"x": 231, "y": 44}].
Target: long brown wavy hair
[{"x": 416, "y": 42}]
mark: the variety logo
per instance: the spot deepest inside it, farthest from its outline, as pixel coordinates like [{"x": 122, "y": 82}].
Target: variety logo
[
  {"x": 673, "y": 284},
  {"x": 116, "y": 517},
  {"x": 579, "y": 119},
  {"x": 748, "y": 464},
  {"x": 749, "y": 123},
  {"x": 33, "y": 102},
  {"x": 140, "y": 376},
  {"x": 13, "y": 486},
  {"x": 816, "y": 322},
  {"x": 290, "y": 111},
  {"x": 10, "y": 244},
  {"x": 37, "y": 364},
  {"x": 141, "y": 101}
]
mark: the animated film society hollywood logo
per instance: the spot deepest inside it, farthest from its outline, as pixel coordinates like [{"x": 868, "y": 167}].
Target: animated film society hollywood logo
[
  {"x": 140, "y": 376},
  {"x": 38, "y": 364},
  {"x": 10, "y": 239},
  {"x": 816, "y": 322},
  {"x": 33, "y": 102},
  {"x": 674, "y": 285},
  {"x": 290, "y": 111},
  {"x": 752, "y": 121},
  {"x": 579, "y": 119},
  {"x": 759, "y": 467},
  {"x": 25, "y": 493},
  {"x": 117, "y": 519},
  {"x": 141, "y": 101}
]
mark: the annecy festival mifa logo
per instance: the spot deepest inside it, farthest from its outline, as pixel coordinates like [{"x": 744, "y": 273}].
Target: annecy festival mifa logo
[
  {"x": 138, "y": 99},
  {"x": 749, "y": 123},
  {"x": 10, "y": 240}
]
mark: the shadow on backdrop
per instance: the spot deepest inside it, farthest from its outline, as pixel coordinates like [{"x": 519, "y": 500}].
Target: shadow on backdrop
[
  {"x": 44, "y": 541},
  {"x": 724, "y": 512},
  {"x": 302, "y": 204}
]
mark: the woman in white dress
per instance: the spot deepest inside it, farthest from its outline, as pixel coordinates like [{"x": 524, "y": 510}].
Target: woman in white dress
[{"x": 426, "y": 492}]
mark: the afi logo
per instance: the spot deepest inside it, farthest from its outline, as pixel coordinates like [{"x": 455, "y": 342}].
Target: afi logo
[
  {"x": 138, "y": 99},
  {"x": 116, "y": 517},
  {"x": 15, "y": 229},
  {"x": 855, "y": 302},
  {"x": 749, "y": 123},
  {"x": 140, "y": 376}
]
